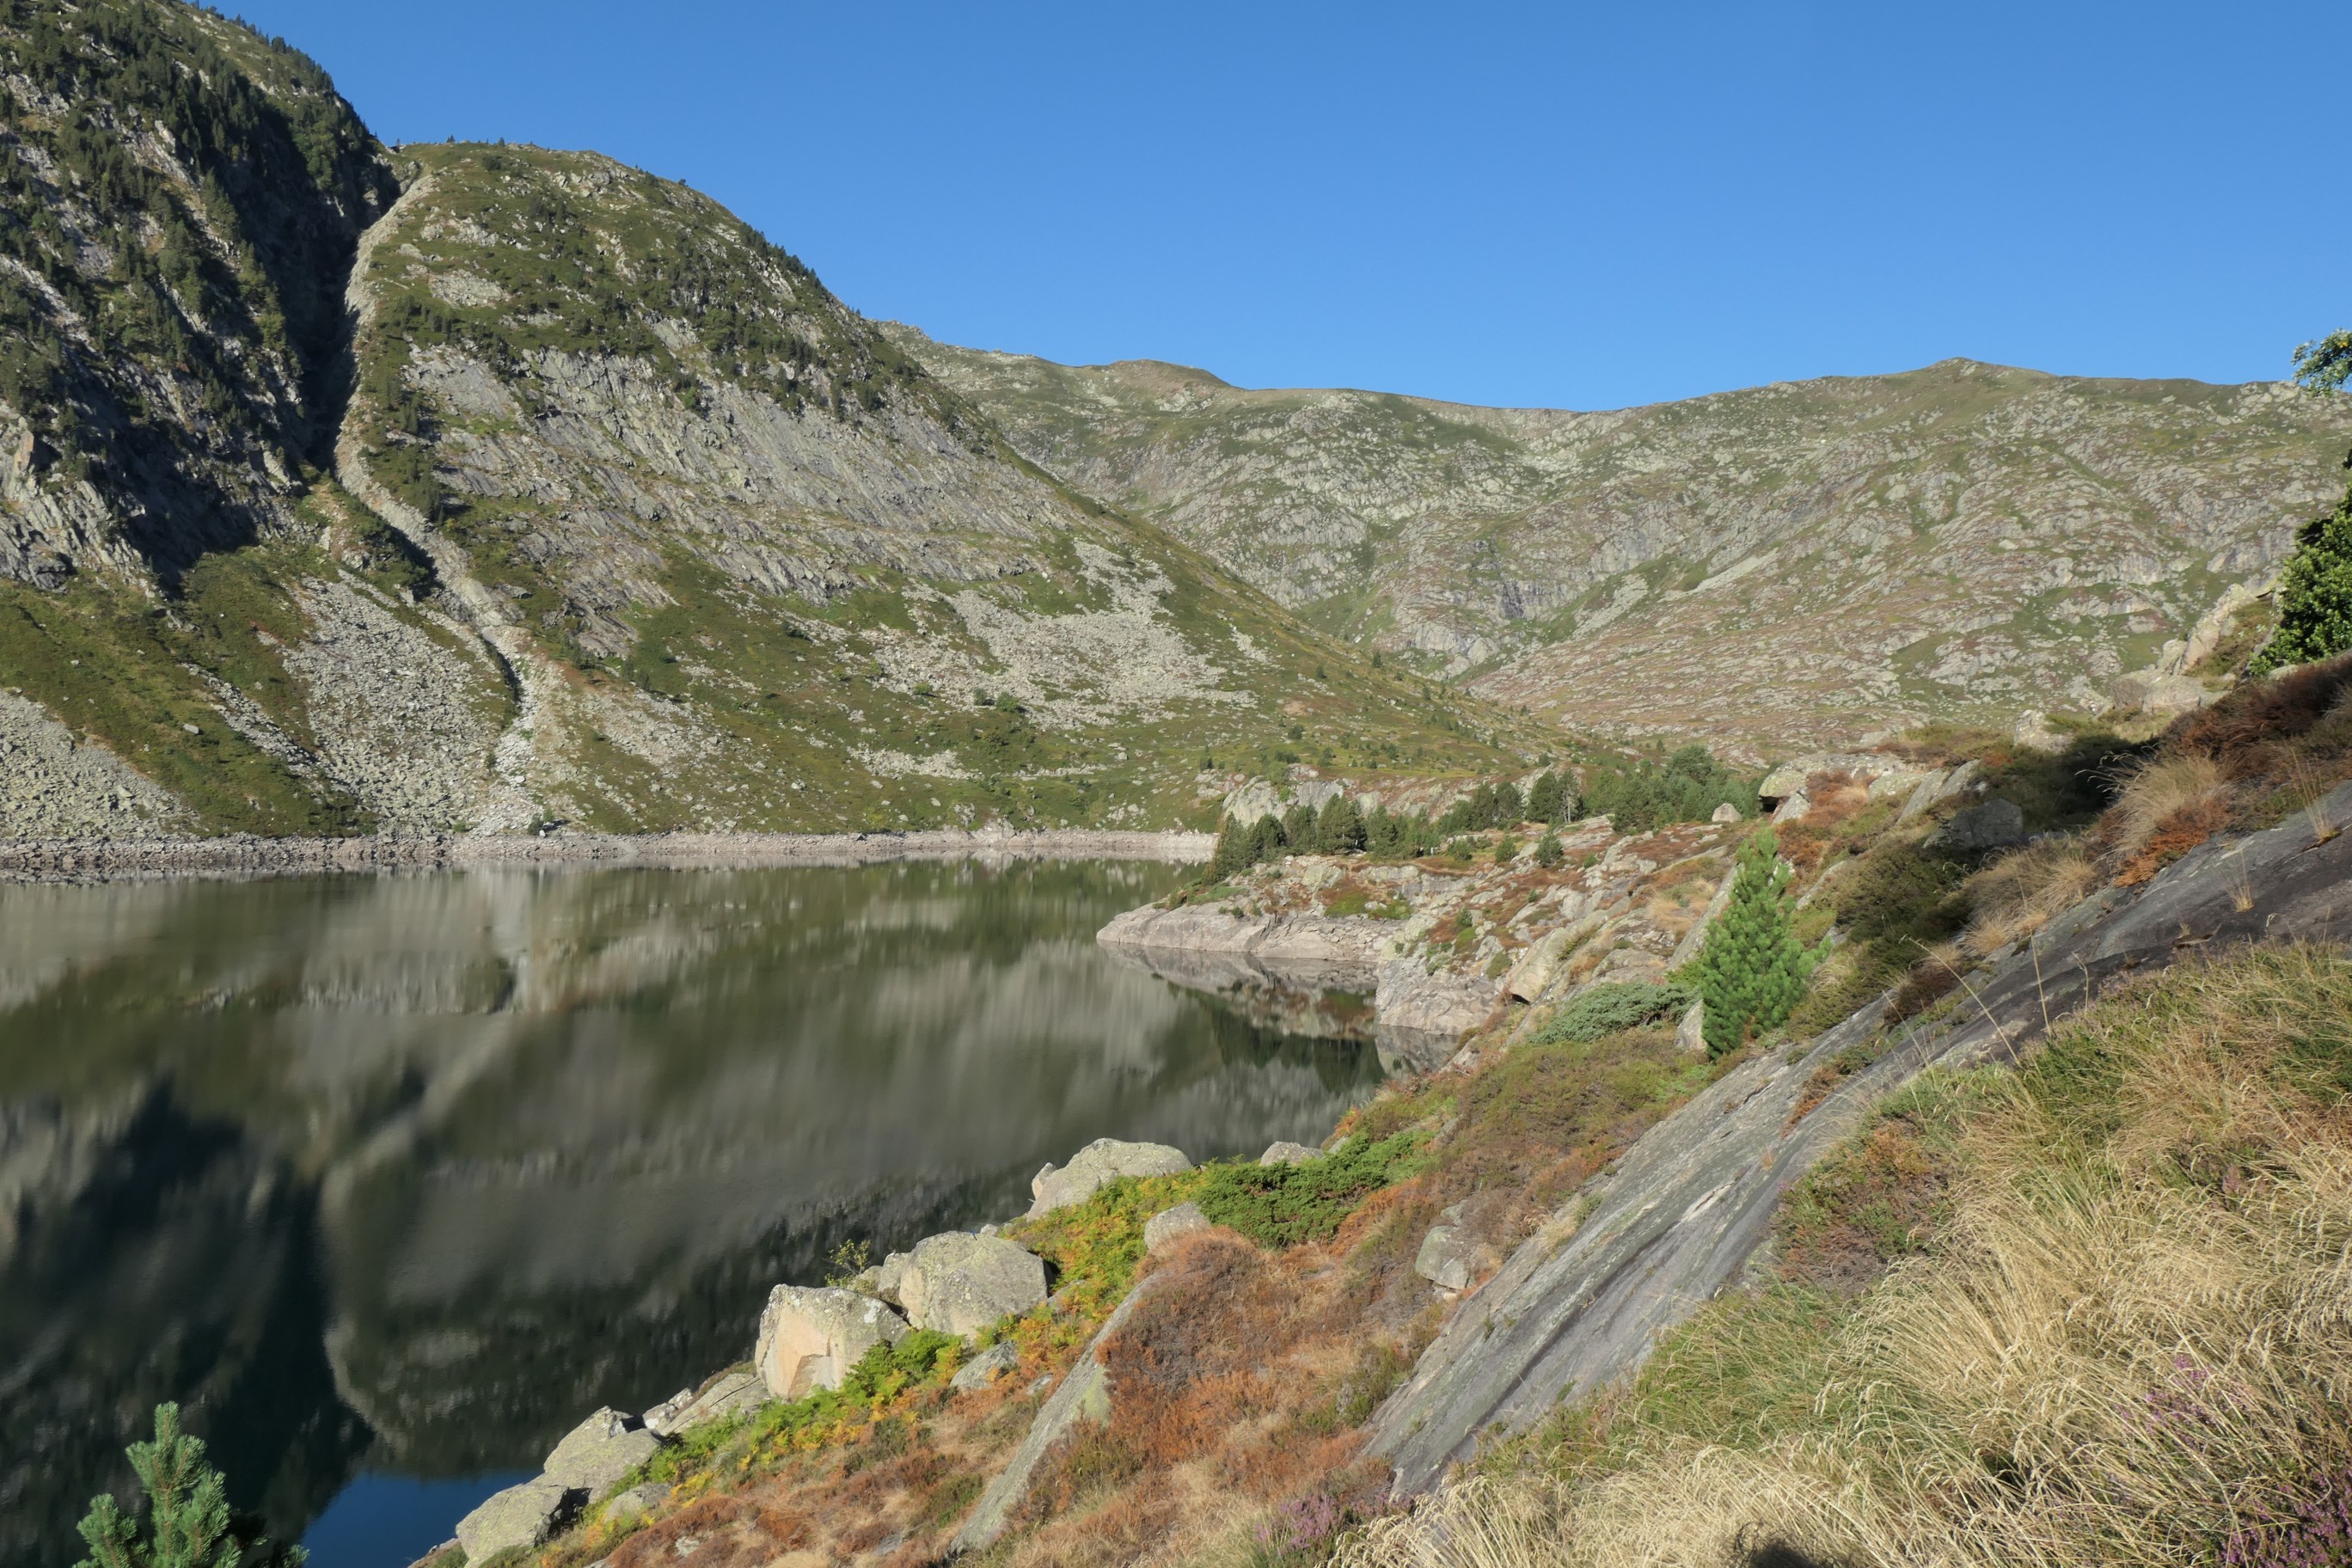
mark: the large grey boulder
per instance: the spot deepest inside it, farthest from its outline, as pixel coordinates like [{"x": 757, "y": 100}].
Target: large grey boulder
[
  {"x": 1995, "y": 824},
  {"x": 1283, "y": 1152},
  {"x": 1104, "y": 1160},
  {"x": 1939, "y": 788},
  {"x": 809, "y": 1339},
  {"x": 595, "y": 1455},
  {"x": 523, "y": 1515},
  {"x": 886, "y": 1276},
  {"x": 959, "y": 1284}
]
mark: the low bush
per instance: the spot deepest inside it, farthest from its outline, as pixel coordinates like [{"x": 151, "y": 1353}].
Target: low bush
[
  {"x": 1281, "y": 1206},
  {"x": 1095, "y": 1246},
  {"x": 1613, "y": 1007}
]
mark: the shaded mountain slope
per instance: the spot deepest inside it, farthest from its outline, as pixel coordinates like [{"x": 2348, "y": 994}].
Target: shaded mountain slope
[{"x": 1783, "y": 566}]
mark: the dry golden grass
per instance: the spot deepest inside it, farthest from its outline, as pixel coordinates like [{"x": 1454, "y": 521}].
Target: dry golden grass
[
  {"x": 2135, "y": 1331},
  {"x": 2158, "y": 792},
  {"x": 2025, "y": 890}
]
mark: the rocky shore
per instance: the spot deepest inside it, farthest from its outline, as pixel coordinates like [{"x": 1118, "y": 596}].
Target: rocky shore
[
  {"x": 811, "y": 1340},
  {"x": 96, "y": 859},
  {"x": 1437, "y": 947}
]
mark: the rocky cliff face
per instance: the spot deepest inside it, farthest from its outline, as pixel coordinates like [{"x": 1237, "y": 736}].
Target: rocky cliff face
[
  {"x": 1790, "y": 564},
  {"x": 183, "y": 199},
  {"x": 547, "y": 491}
]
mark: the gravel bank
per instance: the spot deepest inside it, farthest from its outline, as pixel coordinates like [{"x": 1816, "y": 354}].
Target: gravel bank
[{"x": 97, "y": 859}]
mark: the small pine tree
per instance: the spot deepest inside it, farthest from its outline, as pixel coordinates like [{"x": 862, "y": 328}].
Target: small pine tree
[
  {"x": 2314, "y": 594},
  {"x": 1548, "y": 853},
  {"x": 187, "y": 1525},
  {"x": 1299, "y": 829},
  {"x": 1752, "y": 969}
]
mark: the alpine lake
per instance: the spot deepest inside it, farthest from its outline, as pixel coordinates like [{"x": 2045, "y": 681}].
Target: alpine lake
[{"x": 391, "y": 1180}]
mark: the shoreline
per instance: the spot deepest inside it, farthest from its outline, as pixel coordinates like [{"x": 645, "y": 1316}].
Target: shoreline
[{"x": 240, "y": 855}]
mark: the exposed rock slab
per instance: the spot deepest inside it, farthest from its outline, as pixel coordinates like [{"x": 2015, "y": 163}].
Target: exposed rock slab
[
  {"x": 1083, "y": 1394},
  {"x": 593, "y": 1456},
  {"x": 1575, "y": 1308}
]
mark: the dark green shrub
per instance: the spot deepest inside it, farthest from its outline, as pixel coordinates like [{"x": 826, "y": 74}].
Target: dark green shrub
[
  {"x": 1548, "y": 853},
  {"x": 1281, "y": 1206},
  {"x": 1752, "y": 970}
]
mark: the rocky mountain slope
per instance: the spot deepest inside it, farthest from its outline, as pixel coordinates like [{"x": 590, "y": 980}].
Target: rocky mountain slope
[
  {"x": 1788, "y": 566},
  {"x": 472, "y": 488}
]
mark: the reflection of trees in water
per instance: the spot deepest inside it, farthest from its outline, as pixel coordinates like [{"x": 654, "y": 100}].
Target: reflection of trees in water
[
  {"x": 152, "y": 1256},
  {"x": 557, "y": 1136}
]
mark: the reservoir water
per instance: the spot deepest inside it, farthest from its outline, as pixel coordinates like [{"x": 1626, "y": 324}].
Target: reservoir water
[{"x": 391, "y": 1180}]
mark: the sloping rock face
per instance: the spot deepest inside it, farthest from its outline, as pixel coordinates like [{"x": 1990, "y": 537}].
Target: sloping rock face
[
  {"x": 184, "y": 198},
  {"x": 1579, "y": 1306},
  {"x": 1084, "y": 1395},
  {"x": 1791, "y": 565},
  {"x": 598, "y": 1452}
]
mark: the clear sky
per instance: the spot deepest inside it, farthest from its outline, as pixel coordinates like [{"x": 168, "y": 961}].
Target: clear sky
[{"x": 1574, "y": 205}]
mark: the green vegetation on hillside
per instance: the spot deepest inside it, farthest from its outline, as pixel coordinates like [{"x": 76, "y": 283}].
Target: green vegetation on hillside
[{"x": 2315, "y": 594}]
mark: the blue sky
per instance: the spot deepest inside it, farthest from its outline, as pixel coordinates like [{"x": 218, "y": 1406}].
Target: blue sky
[{"x": 1570, "y": 205}]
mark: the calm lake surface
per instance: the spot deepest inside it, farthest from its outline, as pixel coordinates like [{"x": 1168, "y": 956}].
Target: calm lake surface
[{"x": 391, "y": 1181}]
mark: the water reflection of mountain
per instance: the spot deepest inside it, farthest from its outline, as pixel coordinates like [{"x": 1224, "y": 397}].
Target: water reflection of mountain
[
  {"x": 145, "y": 1255},
  {"x": 495, "y": 1148}
]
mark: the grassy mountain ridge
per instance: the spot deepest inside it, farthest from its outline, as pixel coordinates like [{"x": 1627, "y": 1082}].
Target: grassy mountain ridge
[
  {"x": 484, "y": 487},
  {"x": 1783, "y": 566}
]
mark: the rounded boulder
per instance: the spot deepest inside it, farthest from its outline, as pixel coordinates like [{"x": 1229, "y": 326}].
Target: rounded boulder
[
  {"x": 809, "y": 1339},
  {"x": 959, "y": 1284},
  {"x": 1104, "y": 1160}
]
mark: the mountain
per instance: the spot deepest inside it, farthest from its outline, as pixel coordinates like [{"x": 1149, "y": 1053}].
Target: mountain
[
  {"x": 1783, "y": 566},
  {"x": 481, "y": 488}
]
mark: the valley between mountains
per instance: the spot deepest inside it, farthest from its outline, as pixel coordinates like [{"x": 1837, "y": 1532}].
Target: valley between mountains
[{"x": 447, "y": 489}]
